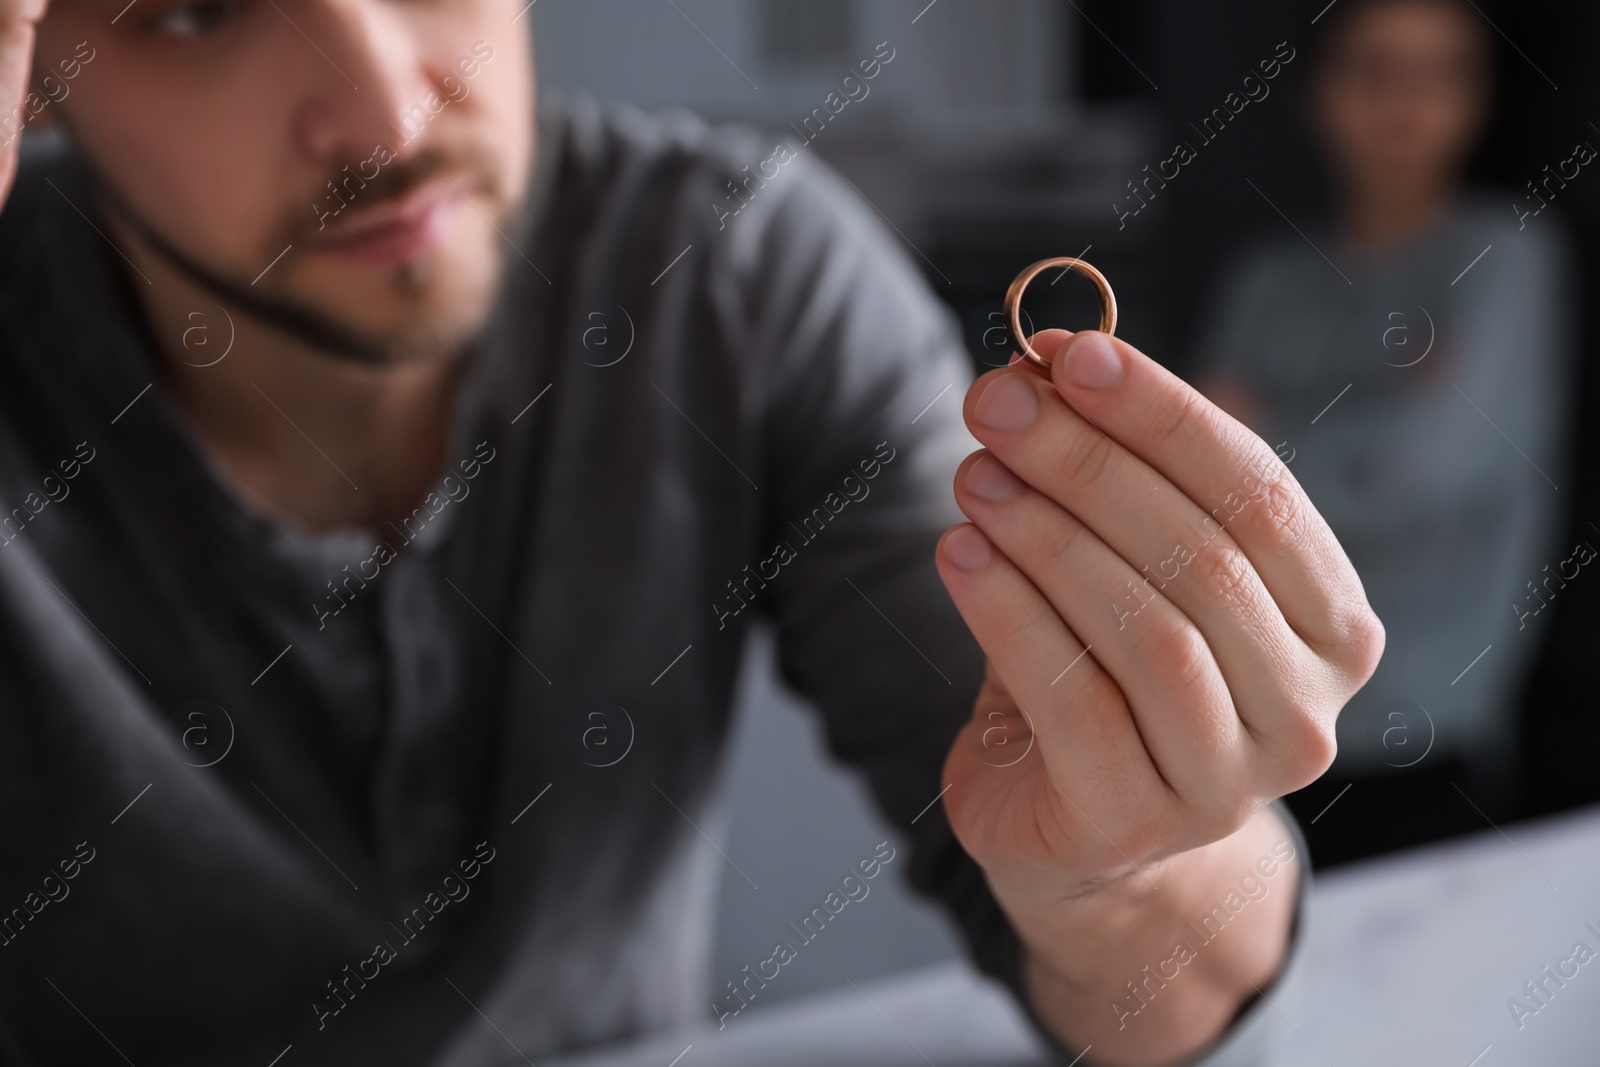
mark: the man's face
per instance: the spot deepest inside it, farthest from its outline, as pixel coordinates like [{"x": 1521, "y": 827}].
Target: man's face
[{"x": 382, "y": 143}]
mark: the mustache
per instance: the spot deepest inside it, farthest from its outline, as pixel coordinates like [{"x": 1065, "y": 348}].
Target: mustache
[{"x": 382, "y": 179}]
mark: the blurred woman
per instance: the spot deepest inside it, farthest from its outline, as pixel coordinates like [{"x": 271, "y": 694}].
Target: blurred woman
[{"x": 1414, "y": 356}]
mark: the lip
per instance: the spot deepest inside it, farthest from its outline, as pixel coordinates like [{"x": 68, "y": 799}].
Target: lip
[{"x": 395, "y": 233}]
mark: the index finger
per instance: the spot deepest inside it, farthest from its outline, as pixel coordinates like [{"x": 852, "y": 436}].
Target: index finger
[{"x": 1231, "y": 474}]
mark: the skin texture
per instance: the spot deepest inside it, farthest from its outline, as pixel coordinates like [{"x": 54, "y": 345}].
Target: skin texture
[{"x": 1138, "y": 800}]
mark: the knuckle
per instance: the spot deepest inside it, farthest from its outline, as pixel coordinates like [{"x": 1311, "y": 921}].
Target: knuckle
[
  {"x": 1056, "y": 543},
  {"x": 1282, "y": 512},
  {"x": 1173, "y": 422},
  {"x": 1178, "y": 656},
  {"x": 1226, "y": 575},
  {"x": 1308, "y": 750},
  {"x": 1365, "y": 638},
  {"x": 1084, "y": 460}
]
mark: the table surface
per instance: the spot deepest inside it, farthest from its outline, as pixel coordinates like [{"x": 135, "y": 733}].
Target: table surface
[{"x": 1410, "y": 960}]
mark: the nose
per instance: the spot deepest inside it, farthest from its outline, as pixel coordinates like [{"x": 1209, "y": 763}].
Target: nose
[{"x": 375, "y": 76}]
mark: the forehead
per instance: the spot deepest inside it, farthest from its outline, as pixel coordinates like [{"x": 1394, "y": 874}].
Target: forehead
[{"x": 1435, "y": 25}]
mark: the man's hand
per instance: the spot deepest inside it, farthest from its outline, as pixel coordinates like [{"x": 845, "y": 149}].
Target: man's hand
[
  {"x": 18, "y": 19},
  {"x": 1171, "y": 631}
]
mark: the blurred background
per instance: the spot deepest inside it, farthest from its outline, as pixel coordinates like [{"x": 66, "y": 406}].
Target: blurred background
[{"x": 1344, "y": 162}]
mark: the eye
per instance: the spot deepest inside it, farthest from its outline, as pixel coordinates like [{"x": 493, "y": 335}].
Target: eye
[{"x": 197, "y": 19}]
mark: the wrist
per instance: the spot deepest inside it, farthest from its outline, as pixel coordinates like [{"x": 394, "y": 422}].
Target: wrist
[{"x": 1086, "y": 940}]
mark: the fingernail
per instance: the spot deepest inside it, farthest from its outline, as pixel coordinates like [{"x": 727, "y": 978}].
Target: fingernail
[
  {"x": 1093, "y": 362},
  {"x": 990, "y": 480},
  {"x": 1009, "y": 403},
  {"x": 968, "y": 549}
]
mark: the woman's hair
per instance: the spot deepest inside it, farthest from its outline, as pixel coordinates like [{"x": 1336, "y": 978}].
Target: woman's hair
[{"x": 1336, "y": 25}]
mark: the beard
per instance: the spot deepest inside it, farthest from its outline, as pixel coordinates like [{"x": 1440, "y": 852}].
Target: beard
[{"x": 313, "y": 327}]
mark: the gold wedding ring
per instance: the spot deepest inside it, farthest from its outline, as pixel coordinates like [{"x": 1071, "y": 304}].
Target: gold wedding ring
[{"x": 1013, "y": 305}]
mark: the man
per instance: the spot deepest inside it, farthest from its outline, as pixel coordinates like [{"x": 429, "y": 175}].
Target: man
[{"x": 306, "y": 649}]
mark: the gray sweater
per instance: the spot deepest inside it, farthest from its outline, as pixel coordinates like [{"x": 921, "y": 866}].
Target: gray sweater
[
  {"x": 344, "y": 792},
  {"x": 1438, "y": 463}
]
